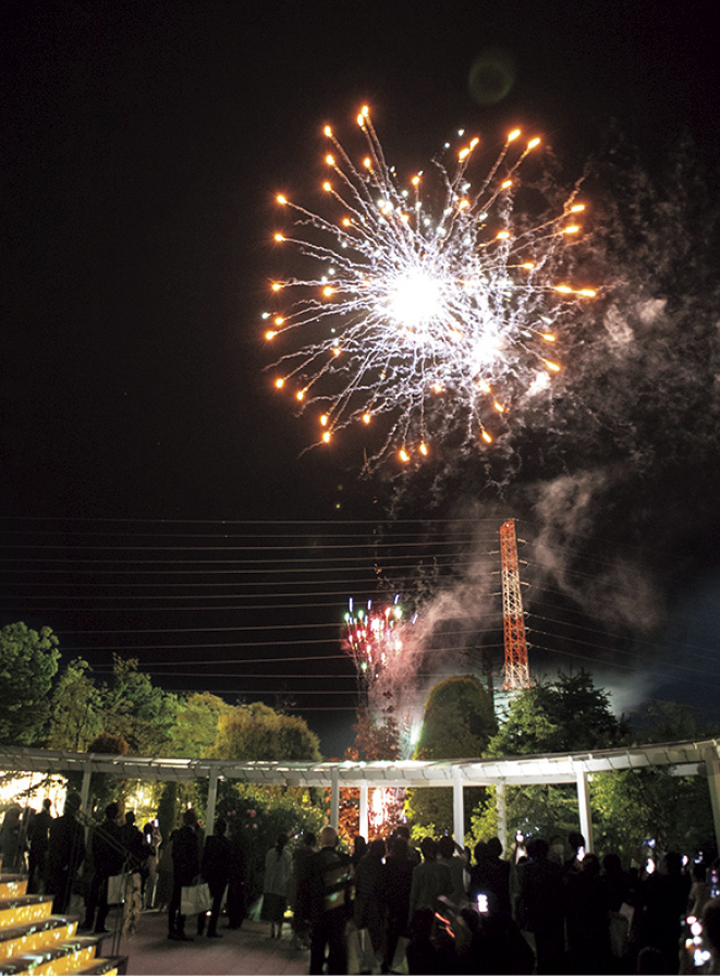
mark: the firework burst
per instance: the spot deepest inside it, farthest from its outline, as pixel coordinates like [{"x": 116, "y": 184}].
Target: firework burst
[
  {"x": 434, "y": 308},
  {"x": 375, "y": 639}
]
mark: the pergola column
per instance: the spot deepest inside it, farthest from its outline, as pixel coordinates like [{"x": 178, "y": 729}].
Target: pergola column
[
  {"x": 501, "y": 805},
  {"x": 85, "y": 791},
  {"x": 712, "y": 768},
  {"x": 211, "y": 803},
  {"x": 458, "y": 808},
  {"x": 364, "y": 825},
  {"x": 584, "y": 806},
  {"x": 335, "y": 797}
]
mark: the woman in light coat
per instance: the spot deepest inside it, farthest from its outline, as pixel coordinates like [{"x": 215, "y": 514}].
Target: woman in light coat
[{"x": 278, "y": 872}]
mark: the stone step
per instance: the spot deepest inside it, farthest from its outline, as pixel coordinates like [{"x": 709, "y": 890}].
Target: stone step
[
  {"x": 34, "y": 942},
  {"x": 23, "y": 909},
  {"x": 12, "y": 885},
  {"x": 73, "y": 956},
  {"x": 106, "y": 967},
  {"x": 44, "y": 934}
]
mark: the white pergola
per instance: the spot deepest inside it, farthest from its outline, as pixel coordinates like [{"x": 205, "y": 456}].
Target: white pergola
[{"x": 681, "y": 758}]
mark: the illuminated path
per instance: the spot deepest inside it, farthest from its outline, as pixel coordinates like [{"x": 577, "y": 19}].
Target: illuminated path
[{"x": 684, "y": 759}]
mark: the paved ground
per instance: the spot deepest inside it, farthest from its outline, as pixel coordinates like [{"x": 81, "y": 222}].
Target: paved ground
[{"x": 244, "y": 951}]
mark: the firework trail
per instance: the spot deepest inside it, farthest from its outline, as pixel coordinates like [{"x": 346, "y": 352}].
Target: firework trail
[{"x": 435, "y": 310}]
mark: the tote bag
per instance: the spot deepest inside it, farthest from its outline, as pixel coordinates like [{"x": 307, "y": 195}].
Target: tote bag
[
  {"x": 195, "y": 899},
  {"x": 117, "y": 884}
]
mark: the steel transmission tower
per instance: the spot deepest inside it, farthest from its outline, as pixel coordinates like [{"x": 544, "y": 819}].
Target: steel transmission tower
[{"x": 516, "y": 670}]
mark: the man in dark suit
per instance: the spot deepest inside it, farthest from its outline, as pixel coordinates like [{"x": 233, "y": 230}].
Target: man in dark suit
[
  {"x": 328, "y": 879},
  {"x": 215, "y": 869},
  {"x": 186, "y": 868},
  {"x": 108, "y": 855},
  {"x": 39, "y": 843},
  {"x": 66, "y": 852}
]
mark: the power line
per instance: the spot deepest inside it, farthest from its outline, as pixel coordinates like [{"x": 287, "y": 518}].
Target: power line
[
  {"x": 225, "y": 522},
  {"x": 306, "y": 568}
]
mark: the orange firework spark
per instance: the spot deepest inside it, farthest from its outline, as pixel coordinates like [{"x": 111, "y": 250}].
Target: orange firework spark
[{"x": 429, "y": 307}]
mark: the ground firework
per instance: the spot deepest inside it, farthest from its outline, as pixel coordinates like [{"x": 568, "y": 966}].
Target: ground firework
[
  {"x": 375, "y": 640},
  {"x": 387, "y": 654},
  {"x": 433, "y": 306}
]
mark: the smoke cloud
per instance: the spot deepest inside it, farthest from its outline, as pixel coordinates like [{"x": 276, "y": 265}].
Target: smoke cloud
[{"x": 614, "y": 470}]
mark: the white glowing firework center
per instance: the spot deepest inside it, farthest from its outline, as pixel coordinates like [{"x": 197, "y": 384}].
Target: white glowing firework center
[{"x": 436, "y": 314}]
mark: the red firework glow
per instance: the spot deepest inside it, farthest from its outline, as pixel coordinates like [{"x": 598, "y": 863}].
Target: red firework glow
[
  {"x": 375, "y": 639},
  {"x": 387, "y": 652}
]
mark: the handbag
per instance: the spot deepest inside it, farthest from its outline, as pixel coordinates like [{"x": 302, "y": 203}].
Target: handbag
[
  {"x": 360, "y": 952},
  {"x": 352, "y": 942},
  {"x": 195, "y": 899},
  {"x": 399, "y": 961},
  {"x": 366, "y": 955},
  {"x": 117, "y": 885}
]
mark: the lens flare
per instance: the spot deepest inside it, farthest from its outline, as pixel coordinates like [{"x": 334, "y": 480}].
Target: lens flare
[{"x": 426, "y": 306}]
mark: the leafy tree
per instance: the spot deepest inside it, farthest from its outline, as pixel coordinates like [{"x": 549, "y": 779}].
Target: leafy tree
[
  {"x": 666, "y": 721},
  {"x": 196, "y": 725},
  {"x": 104, "y": 787},
  {"x": 109, "y": 745},
  {"x": 458, "y": 722},
  {"x": 637, "y": 805},
  {"x": 256, "y": 731},
  {"x": 28, "y": 663},
  {"x": 258, "y": 814},
  {"x": 629, "y": 807},
  {"x": 168, "y": 808},
  {"x": 75, "y": 709},
  {"x": 173, "y": 798},
  {"x": 376, "y": 741},
  {"x": 564, "y": 715},
  {"x": 137, "y": 710}
]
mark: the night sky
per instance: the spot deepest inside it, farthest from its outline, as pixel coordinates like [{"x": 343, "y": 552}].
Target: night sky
[{"x": 154, "y": 496}]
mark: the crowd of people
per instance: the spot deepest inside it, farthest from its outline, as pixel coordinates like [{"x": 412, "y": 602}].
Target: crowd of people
[
  {"x": 70, "y": 860},
  {"x": 549, "y": 907}
]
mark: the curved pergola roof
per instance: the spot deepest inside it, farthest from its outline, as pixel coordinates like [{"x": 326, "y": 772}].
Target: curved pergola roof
[
  {"x": 522, "y": 770},
  {"x": 685, "y": 758}
]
